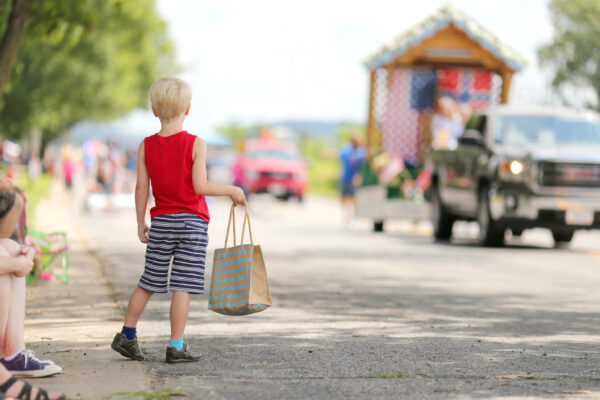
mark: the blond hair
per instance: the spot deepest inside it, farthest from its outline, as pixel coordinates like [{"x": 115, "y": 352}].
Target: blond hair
[{"x": 170, "y": 97}]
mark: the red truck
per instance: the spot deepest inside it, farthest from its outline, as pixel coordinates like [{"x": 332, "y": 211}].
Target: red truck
[{"x": 276, "y": 167}]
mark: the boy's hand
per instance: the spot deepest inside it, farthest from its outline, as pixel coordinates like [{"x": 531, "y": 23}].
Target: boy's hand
[
  {"x": 24, "y": 265},
  {"x": 237, "y": 196},
  {"x": 142, "y": 230}
]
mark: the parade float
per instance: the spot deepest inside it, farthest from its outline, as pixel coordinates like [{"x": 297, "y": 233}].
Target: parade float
[{"x": 445, "y": 67}]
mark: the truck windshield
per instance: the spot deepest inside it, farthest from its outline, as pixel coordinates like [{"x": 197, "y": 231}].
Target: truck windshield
[
  {"x": 523, "y": 130},
  {"x": 274, "y": 154}
]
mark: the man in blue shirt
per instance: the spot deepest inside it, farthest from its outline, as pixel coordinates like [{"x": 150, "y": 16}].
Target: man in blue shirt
[{"x": 352, "y": 155}]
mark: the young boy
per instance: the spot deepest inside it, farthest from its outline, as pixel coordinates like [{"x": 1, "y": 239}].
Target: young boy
[{"x": 174, "y": 162}]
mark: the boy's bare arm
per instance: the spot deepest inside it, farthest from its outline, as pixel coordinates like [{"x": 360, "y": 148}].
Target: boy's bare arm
[
  {"x": 203, "y": 186},
  {"x": 142, "y": 188}
]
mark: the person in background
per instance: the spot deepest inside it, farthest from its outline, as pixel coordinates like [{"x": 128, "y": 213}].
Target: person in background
[
  {"x": 447, "y": 124},
  {"x": 105, "y": 173},
  {"x": 48, "y": 160},
  {"x": 34, "y": 166},
  {"x": 237, "y": 171},
  {"x": 351, "y": 156},
  {"x": 68, "y": 166},
  {"x": 11, "y": 388}
]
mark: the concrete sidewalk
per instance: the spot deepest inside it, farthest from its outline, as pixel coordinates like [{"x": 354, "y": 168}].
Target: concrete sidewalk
[{"x": 73, "y": 324}]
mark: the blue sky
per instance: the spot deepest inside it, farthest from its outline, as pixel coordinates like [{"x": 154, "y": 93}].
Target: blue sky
[{"x": 265, "y": 60}]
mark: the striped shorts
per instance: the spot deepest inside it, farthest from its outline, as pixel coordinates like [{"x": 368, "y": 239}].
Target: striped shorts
[{"x": 183, "y": 238}]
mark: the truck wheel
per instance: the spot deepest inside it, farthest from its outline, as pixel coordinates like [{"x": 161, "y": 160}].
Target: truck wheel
[
  {"x": 517, "y": 232},
  {"x": 441, "y": 219},
  {"x": 562, "y": 238},
  {"x": 378, "y": 226},
  {"x": 490, "y": 234}
]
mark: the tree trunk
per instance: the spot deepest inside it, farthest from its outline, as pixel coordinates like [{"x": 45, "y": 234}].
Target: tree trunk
[{"x": 9, "y": 44}]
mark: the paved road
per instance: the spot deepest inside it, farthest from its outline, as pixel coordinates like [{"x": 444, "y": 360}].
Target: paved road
[{"x": 392, "y": 315}]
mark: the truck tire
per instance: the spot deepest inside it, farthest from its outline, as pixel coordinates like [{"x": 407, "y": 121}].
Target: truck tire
[
  {"x": 490, "y": 234},
  {"x": 378, "y": 226},
  {"x": 517, "y": 232},
  {"x": 441, "y": 219},
  {"x": 562, "y": 238}
]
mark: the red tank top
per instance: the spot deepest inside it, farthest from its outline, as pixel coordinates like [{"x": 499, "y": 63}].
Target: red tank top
[{"x": 169, "y": 162}]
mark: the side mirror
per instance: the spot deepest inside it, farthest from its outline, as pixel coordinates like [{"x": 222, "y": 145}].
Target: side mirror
[{"x": 471, "y": 137}]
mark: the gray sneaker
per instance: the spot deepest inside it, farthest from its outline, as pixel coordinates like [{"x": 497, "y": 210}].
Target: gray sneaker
[
  {"x": 175, "y": 356},
  {"x": 127, "y": 348}
]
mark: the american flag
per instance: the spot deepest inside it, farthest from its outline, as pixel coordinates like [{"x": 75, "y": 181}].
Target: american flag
[
  {"x": 472, "y": 87},
  {"x": 409, "y": 93}
]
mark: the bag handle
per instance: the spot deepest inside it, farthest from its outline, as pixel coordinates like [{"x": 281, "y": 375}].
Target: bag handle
[
  {"x": 247, "y": 218},
  {"x": 231, "y": 217}
]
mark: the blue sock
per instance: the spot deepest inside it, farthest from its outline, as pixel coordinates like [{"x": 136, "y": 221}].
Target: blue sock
[
  {"x": 130, "y": 333},
  {"x": 178, "y": 344}
]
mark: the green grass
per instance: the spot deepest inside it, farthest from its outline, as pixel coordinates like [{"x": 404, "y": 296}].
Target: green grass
[
  {"x": 399, "y": 375},
  {"x": 164, "y": 394},
  {"x": 440, "y": 390},
  {"x": 323, "y": 177},
  {"x": 36, "y": 189},
  {"x": 323, "y": 167}
]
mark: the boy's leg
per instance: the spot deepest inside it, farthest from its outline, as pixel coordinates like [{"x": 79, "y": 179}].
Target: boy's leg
[
  {"x": 180, "y": 308},
  {"x": 125, "y": 342},
  {"x": 156, "y": 270},
  {"x": 137, "y": 303},
  {"x": 187, "y": 277},
  {"x": 178, "y": 351}
]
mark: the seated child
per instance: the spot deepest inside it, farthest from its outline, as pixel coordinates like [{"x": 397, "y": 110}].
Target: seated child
[{"x": 16, "y": 262}]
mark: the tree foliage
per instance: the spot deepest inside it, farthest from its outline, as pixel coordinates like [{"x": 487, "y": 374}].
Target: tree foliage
[
  {"x": 12, "y": 24},
  {"x": 574, "y": 53},
  {"x": 235, "y": 131},
  {"x": 84, "y": 59}
]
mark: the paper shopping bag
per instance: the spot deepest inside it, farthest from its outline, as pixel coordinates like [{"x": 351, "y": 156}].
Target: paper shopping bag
[{"x": 239, "y": 284}]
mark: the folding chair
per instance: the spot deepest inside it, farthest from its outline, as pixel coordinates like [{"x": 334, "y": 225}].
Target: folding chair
[{"x": 48, "y": 247}]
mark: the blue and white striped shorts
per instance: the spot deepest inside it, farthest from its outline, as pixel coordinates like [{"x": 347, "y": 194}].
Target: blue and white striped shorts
[{"x": 182, "y": 237}]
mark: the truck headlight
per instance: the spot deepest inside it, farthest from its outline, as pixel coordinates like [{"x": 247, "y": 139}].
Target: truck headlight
[
  {"x": 513, "y": 170},
  {"x": 516, "y": 167}
]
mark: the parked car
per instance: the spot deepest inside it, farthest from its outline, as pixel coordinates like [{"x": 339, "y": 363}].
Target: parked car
[
  {"x": 276, "y": 167},
  {"x": 520, "y": 169}
]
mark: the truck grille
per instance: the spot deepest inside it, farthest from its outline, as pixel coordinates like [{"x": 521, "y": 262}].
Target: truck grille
[
  {"x": 568, "y": 174},
  {"x": 276, "y": 175}
]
